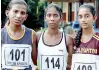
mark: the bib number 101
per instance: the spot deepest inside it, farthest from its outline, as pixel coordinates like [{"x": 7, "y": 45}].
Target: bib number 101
[{"x": 15, "y": 54}]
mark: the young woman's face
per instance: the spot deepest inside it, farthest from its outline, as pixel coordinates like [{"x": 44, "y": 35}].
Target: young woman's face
[
  {"x": 52, "y": 17},
  {"x": 17, "y": 14},
  {"x": 85, "y": 18}
]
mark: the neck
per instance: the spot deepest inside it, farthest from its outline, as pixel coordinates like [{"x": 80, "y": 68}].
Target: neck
[
  {"x": 52, "y": 31},
  {"x": 15, "y": 28},
  {"x": 88, "y": 31}
]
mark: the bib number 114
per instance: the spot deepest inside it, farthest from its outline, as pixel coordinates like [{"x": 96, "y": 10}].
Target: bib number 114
[{"x": 54, "y": 63}]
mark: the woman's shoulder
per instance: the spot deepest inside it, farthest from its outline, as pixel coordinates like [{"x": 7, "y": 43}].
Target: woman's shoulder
[
  {"x": 96, "y": 36},
  {"x": 3, "y": 30},
  {"x": 38, "y": 34},
  {"x": 97, "y": 33}
]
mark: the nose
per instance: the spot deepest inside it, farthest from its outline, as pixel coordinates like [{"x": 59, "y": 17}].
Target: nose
[
  {"x": 52, "y": 18},
  {"x": 18, "y": 15},
  {"x": 83, "y": 19}
]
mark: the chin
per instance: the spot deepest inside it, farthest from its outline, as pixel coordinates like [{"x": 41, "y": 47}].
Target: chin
[
  {"x": 85, "y": 27},
  {"x": 18, "y": 24},
  {"x": 52, "y": 27}
]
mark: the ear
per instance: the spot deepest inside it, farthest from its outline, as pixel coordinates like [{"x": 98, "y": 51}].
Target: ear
[
  {"x": 26, "y": 16},
  {"x": 95, "y": 17},
  {"x": 7, "y": 13}
]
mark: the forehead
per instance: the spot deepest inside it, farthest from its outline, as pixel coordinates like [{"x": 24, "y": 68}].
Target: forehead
[
  {"x": 83, "y": 11},
  {"x": 20, "y": 7},
  {"x": 52, "y": 10}
]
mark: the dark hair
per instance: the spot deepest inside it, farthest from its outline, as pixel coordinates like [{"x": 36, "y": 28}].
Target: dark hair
[
  {"x": 79, "y": 34},
  {"x": 90, "y": 7},
  {"x": 57, "y": 7},
  {"x": 78, "y": 37},
  {"x": 21, "y": 2}
]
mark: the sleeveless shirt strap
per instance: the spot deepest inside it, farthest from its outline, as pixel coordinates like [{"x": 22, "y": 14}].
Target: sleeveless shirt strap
[
  {"x": 32, "y": 36},
  {"x": 65, "y": 41},
  {"x": 96, "y": 36}
]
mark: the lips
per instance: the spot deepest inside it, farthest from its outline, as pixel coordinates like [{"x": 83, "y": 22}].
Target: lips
[
  {"x": 17, "y": 21},
  {"x": 84, "y": 23},
  {"x": 51, "y": 23}
]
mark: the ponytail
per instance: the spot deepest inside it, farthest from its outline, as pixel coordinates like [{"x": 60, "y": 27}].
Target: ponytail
[{"x": 78, "y": 38}]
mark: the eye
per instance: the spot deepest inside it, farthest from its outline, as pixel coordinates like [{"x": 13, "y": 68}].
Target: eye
[
  {"x": 23, "y": 13},
  {"x": 48, "y": 15},
  {"x": 55, "y": 15},
  {"x": 79, "y": 16},
  {"x": 15, "y": 11},
  {"x": 86, "y": 15}
]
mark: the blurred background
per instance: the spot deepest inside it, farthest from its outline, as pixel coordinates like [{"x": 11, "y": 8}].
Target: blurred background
[{"x": 36, "y": 13}]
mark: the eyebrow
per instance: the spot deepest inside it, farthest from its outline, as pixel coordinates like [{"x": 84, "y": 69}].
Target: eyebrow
[
  {"x": 81, "y": 15},
  {"x": 86, "y": 14}
]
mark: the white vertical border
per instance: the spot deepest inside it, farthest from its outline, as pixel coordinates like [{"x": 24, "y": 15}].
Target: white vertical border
[{"x": 0, "y": 34}]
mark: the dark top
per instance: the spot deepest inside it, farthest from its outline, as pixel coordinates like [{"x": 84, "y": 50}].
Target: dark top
[{"x": 91, "y": 47}]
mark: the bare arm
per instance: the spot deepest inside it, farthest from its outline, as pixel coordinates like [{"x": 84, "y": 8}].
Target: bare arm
[
  {"x": 35, "y": 38},
  {"x": 34, "y": 48},
  {"x": 69, "y": 42}
]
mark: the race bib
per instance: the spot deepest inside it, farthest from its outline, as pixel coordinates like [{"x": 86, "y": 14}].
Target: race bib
[
  {"x": 52, "y": 62},
  {"x": 84, "y": 66},
  {"x": 85, "y": 62},
  {"x": 16, "y": 55}
]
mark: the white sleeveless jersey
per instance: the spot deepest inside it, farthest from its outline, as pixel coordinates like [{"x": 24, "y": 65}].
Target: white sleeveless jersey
[
  {"x": 52, "y": 58},
  {"x": 85, "y": 62}
]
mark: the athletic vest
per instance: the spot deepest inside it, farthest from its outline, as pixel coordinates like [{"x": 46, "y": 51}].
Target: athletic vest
[
  {"x": 16, "y": 53},
  {"x": 52, "y": 57},
  {"x": 86, "y": 56},
  {"x": 91, "y": 47}
]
